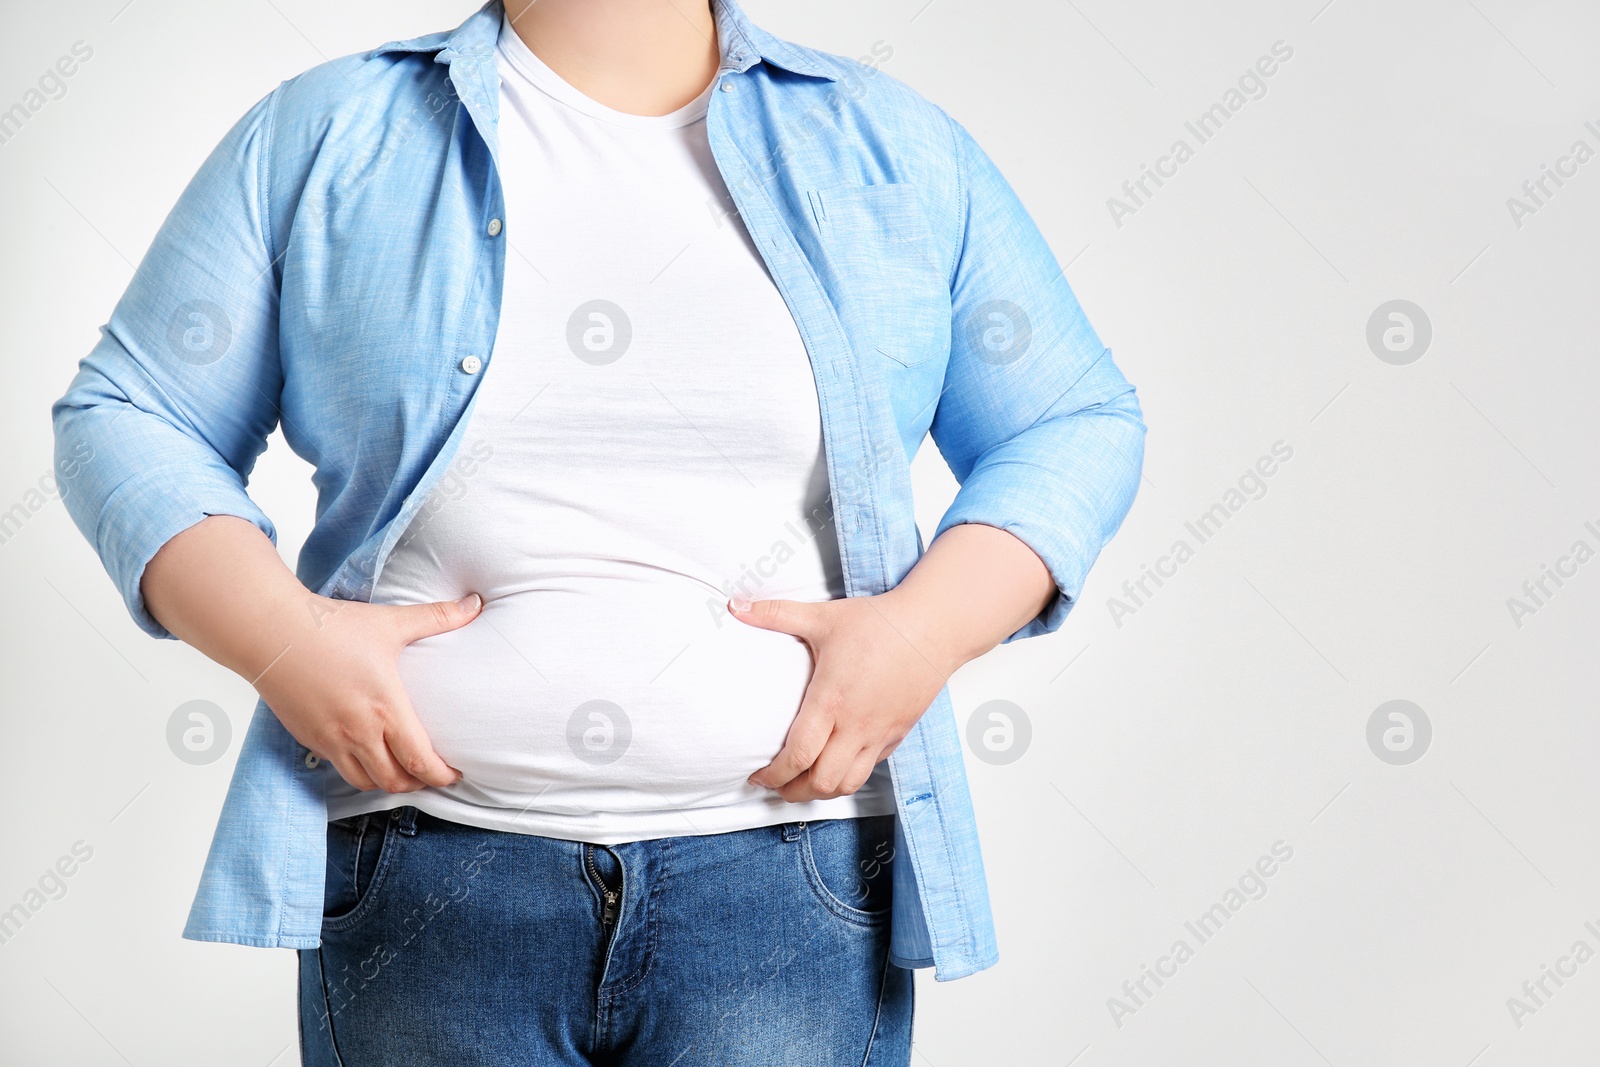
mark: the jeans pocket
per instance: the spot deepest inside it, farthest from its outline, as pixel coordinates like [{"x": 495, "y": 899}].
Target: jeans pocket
[
  {"x": 360, "y": 852},
  {"x": 847, "y": 864}
]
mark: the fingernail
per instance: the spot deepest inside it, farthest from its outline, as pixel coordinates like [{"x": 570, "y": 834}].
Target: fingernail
[
  {"x": 471, "y": 602},
  {"x": 740, "y": 604}
]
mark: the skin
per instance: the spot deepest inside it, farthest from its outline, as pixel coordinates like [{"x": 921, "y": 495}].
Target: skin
[
  {"x": 643, "y": 57},
  {"x": 329, "y": 668},
  {"x": 878, "y": 661}
]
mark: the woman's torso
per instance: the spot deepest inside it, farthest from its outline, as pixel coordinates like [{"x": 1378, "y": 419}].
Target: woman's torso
[{"x": 646, "y": 443}]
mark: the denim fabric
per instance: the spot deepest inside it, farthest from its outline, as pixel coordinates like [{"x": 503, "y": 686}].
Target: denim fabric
[
  {"x": 448, "y": 944},
  {"x": 338, "y": 261}
]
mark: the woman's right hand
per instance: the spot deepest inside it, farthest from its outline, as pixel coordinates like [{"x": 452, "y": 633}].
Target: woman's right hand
[
  {"x": 329, "y": 669},
  {"x": 337, "y": 689}
]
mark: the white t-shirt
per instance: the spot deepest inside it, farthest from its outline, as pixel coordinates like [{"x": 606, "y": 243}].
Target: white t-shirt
[{"x": 646, "y": 442}]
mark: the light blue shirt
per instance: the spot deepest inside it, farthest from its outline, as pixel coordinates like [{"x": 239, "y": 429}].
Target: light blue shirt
[{"x": 336, "y": 267}]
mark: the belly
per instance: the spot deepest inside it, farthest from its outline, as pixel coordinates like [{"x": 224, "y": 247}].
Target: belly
[{"x": 599, "y": 696}]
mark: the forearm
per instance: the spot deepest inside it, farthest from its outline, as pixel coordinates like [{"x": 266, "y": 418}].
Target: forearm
[
  {"x": 975, "y": 586},
  {"x": 221, "y": 587}
]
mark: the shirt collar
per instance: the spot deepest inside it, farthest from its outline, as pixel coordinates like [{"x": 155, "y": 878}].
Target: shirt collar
[{"x": 741, "y": 42}]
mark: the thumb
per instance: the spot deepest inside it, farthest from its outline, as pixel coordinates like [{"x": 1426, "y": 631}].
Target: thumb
[
  {"x": 796, "y": 617},
  {"x": 424, "y": 620}
]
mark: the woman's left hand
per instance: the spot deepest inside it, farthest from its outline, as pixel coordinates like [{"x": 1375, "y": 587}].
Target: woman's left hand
[
  {"x": 877, "y": 662},
  {"x": 874, "y": 673}
]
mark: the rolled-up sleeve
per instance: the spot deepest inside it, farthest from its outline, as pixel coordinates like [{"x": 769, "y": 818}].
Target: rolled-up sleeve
[
  {"x": 167, "y": 414},
  {"x": 1038, "y": 425}
]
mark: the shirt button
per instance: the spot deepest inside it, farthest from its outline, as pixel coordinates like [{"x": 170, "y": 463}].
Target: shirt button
[
  {"x": 472, "y": 364},
  {"x": 494, "y": 227},
  {"x": 727, "y": 85},
  {"x": 313, "y": 761}
]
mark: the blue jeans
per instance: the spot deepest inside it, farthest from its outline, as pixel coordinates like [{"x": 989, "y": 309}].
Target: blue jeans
[{"x": 447, "y": 944}]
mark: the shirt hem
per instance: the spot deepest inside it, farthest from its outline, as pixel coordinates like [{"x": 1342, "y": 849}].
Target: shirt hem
[
  {"x": 252, "y": 941},
  {"x": 883, "y": 804}
]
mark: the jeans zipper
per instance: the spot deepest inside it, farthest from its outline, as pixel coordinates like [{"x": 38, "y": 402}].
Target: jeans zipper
[{"x": 608, "y": 913}]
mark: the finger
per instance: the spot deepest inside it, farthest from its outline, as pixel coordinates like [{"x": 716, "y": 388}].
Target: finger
[
  {"x": 416, "y": 621},
  {"x": 409, "y": 744},
  {"x": 830, "y": 769},
  {"x": 860, "y": 771},
  {"x": 796, "y": 617},
  {"x": 799, "y": 790},
  {"x": 807, "y": 737},
  {"x": 350, "y": 770},
  {"x": 381, "y": 767},
  {"x": 816, "y": 785}
]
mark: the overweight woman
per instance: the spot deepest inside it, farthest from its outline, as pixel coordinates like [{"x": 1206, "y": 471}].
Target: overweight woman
[{"x": 603, "y": 720}]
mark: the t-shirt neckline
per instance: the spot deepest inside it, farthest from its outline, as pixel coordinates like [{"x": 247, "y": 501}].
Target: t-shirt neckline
[{"x": 526, "y": 63}]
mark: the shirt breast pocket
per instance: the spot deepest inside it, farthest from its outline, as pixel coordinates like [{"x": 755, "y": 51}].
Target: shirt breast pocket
[{"x": 889, "y": 284}]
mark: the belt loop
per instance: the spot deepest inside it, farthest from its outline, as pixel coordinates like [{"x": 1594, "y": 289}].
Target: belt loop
[
  {"x": 406, "y": 818},
  {"x": 791, "y": 830}
]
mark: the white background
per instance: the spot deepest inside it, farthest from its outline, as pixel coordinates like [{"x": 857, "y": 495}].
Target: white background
[{"x": 1169, "y": 752}]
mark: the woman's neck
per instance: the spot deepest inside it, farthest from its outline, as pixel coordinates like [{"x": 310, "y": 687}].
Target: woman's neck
[{"x": 642, "y": 57}]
